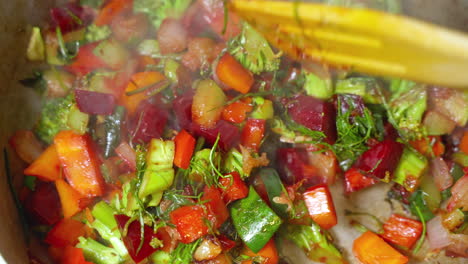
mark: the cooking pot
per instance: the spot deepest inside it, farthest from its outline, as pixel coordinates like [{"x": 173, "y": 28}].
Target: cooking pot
[{"x": 19, "y": 109}]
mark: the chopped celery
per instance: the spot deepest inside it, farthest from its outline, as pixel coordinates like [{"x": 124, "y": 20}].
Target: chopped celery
[
  {"x": 97, "y": 252},
  {"x": 253, "y": 51},
  {"x": 233, "y": 161},
  {"x": 410, "y": 168},
  {"x": 159, "y": 173},
  {"x": 155, "y": 199},
  {"x": 36, "y": 48},
  {"x": 170, "y": 69},
  {"x": 460, "y": 158},
  {"x": 313, "y": 241},
  {"x": 149, "y": 47},
  {"x": 96, "y": 33},
  {"x": 365, "y": 87},
  {"x": 105, "y": 213},
  {"x": 160, "y": 257},
  {"x": 77, "y": 120},
  {"x": 406, "y": 107},
  {"x": 263, "y": 109},
  {"x": 318, "y": 87},
  {"x": 112, "y": 53}
]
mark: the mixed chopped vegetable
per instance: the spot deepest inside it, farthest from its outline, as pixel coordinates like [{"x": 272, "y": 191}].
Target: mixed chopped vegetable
[{"x": 172, "y": 132}]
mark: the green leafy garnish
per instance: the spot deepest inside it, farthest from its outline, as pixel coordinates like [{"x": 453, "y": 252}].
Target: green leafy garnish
[
  {"x": 158, "y": 10},
  {"x": 184, "y": 253}
]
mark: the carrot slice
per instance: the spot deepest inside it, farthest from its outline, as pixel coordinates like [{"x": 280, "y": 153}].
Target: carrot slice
[
  {"x": 47, "y": 166},
  {"x": 69, "y": 198},
  {"x": 233, "y": 74},
  {"x": 369, "y": 248}
]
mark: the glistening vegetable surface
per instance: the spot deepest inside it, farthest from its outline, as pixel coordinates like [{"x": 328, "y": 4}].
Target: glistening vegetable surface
[{"x": 178, "y": 161}]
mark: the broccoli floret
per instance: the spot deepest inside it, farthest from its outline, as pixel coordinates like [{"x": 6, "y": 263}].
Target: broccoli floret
[
  {"x": 406, "y": 108},
  {"x": 95, "y": 33},
  {"x": 54, "y": 117},
  {"x": 253, "y": 51},
  {"x": 158, "y": 10}
]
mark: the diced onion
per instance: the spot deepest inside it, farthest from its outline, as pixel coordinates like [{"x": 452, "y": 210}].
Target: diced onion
[
  {"x": 441, "y": 174},
  {"x": 208, "y": 249},
  {"x": 437, "y": 235},
  {"x": 125, "y": 152}
]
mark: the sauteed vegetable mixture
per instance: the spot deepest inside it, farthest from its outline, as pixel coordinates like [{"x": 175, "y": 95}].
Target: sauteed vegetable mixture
[{"x": 172, "y": 132}]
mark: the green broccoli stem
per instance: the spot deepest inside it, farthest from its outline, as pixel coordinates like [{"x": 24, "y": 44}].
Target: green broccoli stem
[
  {"x": 97, "y": 252},
  {"x": 410, "y": 168},
  {"x": 313, "y": 241}
]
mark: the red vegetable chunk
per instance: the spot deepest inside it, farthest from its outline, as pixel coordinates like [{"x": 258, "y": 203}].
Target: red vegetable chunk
[
  {"x": 320, "y": 205},
  {"x": 314, "y": 114},
  {"x": 190, "y": 222},
  {"x": 95, "y": 103},
  {"x": 293, "y": 167},
  {"x": 43, "y": 204},
  {"x": 147, "y": 123},
  {"x": 73, "y": 255},
  {"x": 65, "y": 233},
  {"x": 381, "y": 160},
  {"x": 228, "y": 134},
  {"x": 86, "y": 61},
  {"x": 355, "y": 181},
  {"x": 252, "y": 133},
  {"x": 70, "y": 17},
  {"x": 216, "y": 209},
  {"x": 402, "y": 231},
  {"x": 183, "y": 110},
  {"x": 132, "y": 239},
  {"x": 234, "y": 188}
]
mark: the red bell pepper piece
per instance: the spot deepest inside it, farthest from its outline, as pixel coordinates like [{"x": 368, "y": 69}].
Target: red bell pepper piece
[
  {"x": 112, "y": 9},
  {"x": 65, "y": 233},
  {"x": 47, "y": 166},
  {"x": 132, "y": 238},
  {"x": 233, "y": 74},
  {"x": 369, "y": 248},
  {"x": 236, "y": 112},
  {"x": 252, "y": 133},
  {"x": 269, "y": 253},
  {"x": 355, "y": 181},
  {"x": 464, "y": 143},
  {"x": 79, "y": 163},
  {"x": 216, "y": 209},
  {"x": 69, "y": 198},
  {"x": 431, "y": 146},
  {"x": 226, "y": 243},
  {"x": 189, "y": 222},
  {"x": 44, "y": 204},
  {"x": 319, "y": 203},
  {"x": 234, "y": 188},
  {"x": 73, "y": 255},
  {"x": 184, "y": 147},
  {"x": 402, "y": 231},
  {"x": 86, "y": 61}
]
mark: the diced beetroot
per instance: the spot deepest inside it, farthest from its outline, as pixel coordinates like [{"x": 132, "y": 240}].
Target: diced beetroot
[
  {"x": 70, "y": 17},
  {"x": 380, "y": 160},
  {"x": 95, "y": 103},
  {"x": 293, "y": 167},
  {"x": 229, "y": 134},
  {"x": 183, "y": 110},
  {"x": 355, "y": 181},
  {"x": 148, "y": 122},
  {"x": 44, "y": 204},
  {"x": 314, "y": 114},
  {"x": 390, "y": 132},
  {"x": 132, "y": 239}
]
